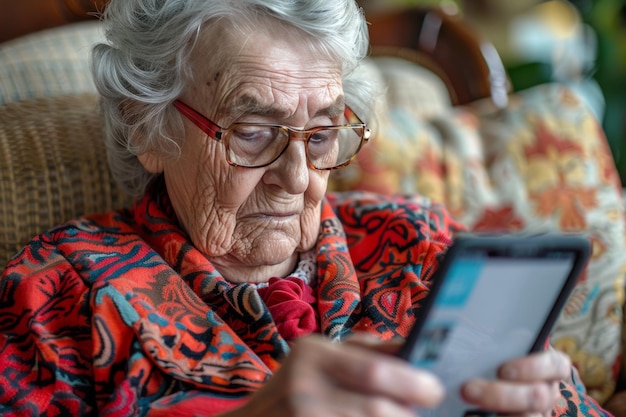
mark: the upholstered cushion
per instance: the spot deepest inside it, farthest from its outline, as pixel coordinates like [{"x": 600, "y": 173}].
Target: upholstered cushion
[
  {"x": 411, "y": 87},
  {"x": 551, "y": 168},
  {"x": 541, "y": 164},
  {"x": 49, "y": 63}
]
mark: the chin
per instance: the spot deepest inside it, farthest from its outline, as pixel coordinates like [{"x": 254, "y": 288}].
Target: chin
[{"x": 274, "y": 249}]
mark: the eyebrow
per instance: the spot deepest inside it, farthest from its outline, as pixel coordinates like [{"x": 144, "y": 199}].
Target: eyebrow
[
  {"x": 336, "y": 109},
  {"x": 249, "y": 105}
]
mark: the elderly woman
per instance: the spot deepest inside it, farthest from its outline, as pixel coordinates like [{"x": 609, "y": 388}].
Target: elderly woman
[{"x": 236, "y": 285}]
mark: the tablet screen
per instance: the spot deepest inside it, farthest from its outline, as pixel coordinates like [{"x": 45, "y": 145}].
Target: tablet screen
[{"x": 489, "y": 308}]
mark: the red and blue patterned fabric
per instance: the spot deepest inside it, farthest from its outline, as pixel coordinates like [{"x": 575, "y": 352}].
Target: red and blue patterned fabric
[{"x": 118, "y": 314}]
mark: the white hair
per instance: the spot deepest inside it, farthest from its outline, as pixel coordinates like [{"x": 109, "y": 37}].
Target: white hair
[{"x": 144, "y": 66}]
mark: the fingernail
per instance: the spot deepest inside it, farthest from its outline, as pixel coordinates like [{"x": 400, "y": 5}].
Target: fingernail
[
  {"x": 509, "y": 372},
  {"x": 474, "y": 390},
  {"x": 434, "y": 384}
]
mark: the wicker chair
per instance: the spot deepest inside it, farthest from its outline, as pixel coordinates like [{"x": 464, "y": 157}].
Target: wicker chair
[{"x": 53, "y": 167}]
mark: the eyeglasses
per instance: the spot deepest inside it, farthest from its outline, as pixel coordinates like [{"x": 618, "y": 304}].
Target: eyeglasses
[{"x": 254, "y": 145}]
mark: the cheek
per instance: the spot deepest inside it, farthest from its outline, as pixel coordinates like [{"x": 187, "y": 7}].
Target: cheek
[
  {"x": 318, "y": 182},
  {"x": 207, "y": 193},
  {"x": 311, "y": 217}
]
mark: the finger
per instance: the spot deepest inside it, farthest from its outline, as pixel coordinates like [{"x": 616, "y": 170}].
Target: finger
[
  {"x": 358, "y": 405},
  {"x": 549, "y": 365},
  {"x": 369, "y": 341},
  {"x": 510, "y": 397},
  {"x": 546, "y": 414},
  {"x": 332, "y": 401},
  {"x": 377, "y": 374}
]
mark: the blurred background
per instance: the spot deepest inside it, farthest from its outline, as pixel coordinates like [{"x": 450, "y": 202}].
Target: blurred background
[{"x": 579, "y": 42}]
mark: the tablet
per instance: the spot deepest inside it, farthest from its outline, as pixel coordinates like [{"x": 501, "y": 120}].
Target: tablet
[{"x": 492, "y": 299}]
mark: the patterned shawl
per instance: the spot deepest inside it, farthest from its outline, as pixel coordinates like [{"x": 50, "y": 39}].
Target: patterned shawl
[{"x": 118, "y": 314}]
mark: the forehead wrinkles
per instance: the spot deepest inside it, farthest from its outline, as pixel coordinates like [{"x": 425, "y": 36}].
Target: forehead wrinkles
[
  {"x": 276, "y": 65},
  {"x": 279, "y": 100},
  {"x": 247, "y": 104},
  {"x": 310, "y": 74},
  {"x": 277, "y": 89}
]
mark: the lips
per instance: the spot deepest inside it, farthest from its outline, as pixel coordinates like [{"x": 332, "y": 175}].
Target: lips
[
  {"x": 279, "y": 212},
  {"x": 273, "y": 215},
  {"x": 279, "y": 216}
]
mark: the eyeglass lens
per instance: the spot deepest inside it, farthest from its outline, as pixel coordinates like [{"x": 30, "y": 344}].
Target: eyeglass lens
[{"x": 258, "y": 145}]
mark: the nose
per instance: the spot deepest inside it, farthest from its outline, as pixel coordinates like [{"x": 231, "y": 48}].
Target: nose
[{"x": 290, "y": 171}]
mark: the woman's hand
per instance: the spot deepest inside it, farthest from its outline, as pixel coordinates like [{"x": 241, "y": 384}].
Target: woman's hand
[
  {"x": 355, "y": 378},
  {"x": 526, "y": 386}
]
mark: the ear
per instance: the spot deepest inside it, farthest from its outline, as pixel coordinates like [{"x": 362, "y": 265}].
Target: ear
[{"x": 151, "y": 161}]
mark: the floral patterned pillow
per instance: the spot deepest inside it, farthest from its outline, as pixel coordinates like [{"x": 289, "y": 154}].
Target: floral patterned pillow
[{"x": 541, "y": 164}]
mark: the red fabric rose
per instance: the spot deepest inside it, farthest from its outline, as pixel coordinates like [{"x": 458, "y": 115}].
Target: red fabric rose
[{"x": 292, "y": 305}]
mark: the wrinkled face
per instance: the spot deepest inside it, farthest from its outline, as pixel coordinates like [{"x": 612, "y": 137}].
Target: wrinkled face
[{"x": 252, "y": 222}]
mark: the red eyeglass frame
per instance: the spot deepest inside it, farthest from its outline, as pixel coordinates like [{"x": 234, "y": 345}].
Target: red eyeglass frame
[{"x": 214, "y": 131}]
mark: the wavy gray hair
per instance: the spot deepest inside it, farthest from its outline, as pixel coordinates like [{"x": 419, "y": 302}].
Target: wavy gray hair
[{"x": 143, "y": 67}]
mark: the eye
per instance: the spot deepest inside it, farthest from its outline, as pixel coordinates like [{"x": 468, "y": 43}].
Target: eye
[
  {"x": 323, "y": 137},
  {"x": 252, "y": 145},
  {"x": 322, "y": 143},
  {"x": 252, "y": 139},
  {"x": 253, "y": 133}
]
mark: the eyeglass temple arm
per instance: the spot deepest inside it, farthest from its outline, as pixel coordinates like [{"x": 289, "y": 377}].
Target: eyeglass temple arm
[
  {"x": 350, "y": 116},
  {"x": 202, "y": 122}
]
